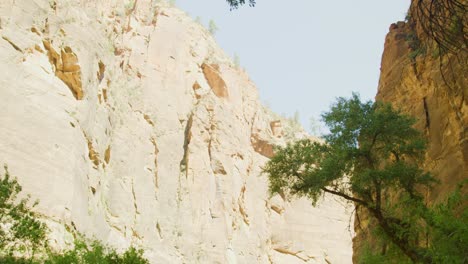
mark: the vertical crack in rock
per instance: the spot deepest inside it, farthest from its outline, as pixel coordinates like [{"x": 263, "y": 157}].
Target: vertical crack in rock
[
  {"x": 270, "y": 260},
  {"x": 108, "y": 215},
  {"x": 134, "y": 233},
  {"x": 158, "y": 227},
  {"x": 156, "y": 151},
  {"x": 252, "y": 121},
  {"x": 210, "y": 144},
  {"x": 104, "y": 94},
  {"x": 66, "y": 68},
  {"x": 184, "y": 163},
  {"x": 107, "y": 154},
  {"x": 134, "y": 198},
  {"x": 426, "y": 110},
  {"x": 92, "y": 153},
  {"x": 215, "y": 81},
  {"x": 129, "y": 13},
  {"x": 102, "y": 69},
  {"x": 216, "y": 165},
  {"x": 154, "y": 20},
  {"x": 242, "y": 210},
  {"x": 187, "y": 138}
]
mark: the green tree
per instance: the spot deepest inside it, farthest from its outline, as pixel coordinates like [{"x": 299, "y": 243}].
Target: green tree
[
  {"x": 20, "y": 231},
  {"x": 372, "y": 158}
]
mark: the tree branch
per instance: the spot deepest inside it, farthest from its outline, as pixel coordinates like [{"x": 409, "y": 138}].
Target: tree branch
[{"x": 347, "y": 197}]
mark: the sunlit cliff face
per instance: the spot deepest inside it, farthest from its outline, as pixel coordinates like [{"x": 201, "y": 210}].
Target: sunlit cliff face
[{"x": 130, "y": 125}]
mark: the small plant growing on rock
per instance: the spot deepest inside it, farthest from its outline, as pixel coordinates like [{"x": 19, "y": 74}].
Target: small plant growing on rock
[
  {"x": 236, "y": 61},
  {"x": 212, "y": 27},
  {"x": 415, "y": 45}
]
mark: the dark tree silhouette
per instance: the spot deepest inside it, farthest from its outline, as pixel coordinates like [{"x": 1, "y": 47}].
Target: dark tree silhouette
[
  {"x": 444, "y": 21},
  {"x": 236, "y": 3}
]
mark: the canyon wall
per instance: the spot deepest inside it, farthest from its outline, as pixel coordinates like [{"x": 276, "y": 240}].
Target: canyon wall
[
  {"x": 421, "y": 81},
  {"x": 130, "y": 125},
  {"x": 434, "y": 90}
]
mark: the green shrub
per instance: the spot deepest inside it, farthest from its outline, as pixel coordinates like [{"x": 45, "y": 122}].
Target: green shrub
[
  {"x": 96, "y": 253},
  {"x": 22, "y": 235},
  {"x": 20, "y": 231},
  {"x": 415, "y": 45}
]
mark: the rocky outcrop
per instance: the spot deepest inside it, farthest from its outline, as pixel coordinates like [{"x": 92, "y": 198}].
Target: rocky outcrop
[
  {"x": 153, "y": 146},
  {"x": 214, "y": 80},
  {"x": 433, "y": 88},
  {"x": 276, "y": 128}
]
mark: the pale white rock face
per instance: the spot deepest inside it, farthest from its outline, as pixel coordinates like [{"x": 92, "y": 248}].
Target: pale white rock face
[{"x": 130, "y": 125}]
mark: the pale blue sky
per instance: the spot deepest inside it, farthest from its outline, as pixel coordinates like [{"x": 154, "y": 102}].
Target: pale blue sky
[{"x": 302, "y": 54}]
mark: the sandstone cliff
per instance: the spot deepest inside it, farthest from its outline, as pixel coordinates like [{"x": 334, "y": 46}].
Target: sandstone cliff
[
  {"x": 432, "y": 87},
  {"x": 434, "y": 90},
  {"x": 130, "y": 125}
]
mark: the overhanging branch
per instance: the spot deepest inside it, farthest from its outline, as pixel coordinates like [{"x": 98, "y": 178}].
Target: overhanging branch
[{"x": 349, "y": 198}]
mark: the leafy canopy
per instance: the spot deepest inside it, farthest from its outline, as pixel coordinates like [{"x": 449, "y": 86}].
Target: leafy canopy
[
  {"x": 372, "y": 157},
  {"x": 370, "y": 147}
]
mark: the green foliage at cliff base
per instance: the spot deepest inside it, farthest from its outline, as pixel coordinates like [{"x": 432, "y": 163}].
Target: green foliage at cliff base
[{"x": 23, "y": 237}]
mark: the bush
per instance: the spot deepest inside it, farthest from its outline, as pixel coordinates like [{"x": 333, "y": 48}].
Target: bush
[
  {"x": 96, "y": 252},
  {"x": 22, "y": 235},
  {"x": 20, "y": 231}
]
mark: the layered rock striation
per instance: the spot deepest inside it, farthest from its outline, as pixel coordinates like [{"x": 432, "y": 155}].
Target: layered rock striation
[{"x": 130, "y": 125}]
